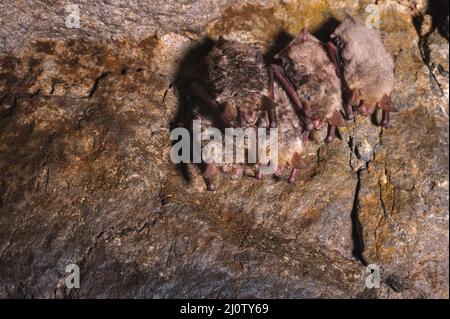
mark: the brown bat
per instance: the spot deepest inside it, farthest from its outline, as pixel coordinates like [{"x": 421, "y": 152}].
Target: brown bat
[
  {"x": 366, "y": 66},
  {"x": 310, "y": 79},
  {"x": 235, "y": 92},
  {"x": 292, "y": 138}
]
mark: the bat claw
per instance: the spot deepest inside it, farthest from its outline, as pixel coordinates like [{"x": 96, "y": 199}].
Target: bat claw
[
  {"x": 331, "y": 134},
  {"x": 293, "y": 176},
  {"x": 209, "y": 172},
  {"x": 349, "y": 113},
  {"x": 309, "y": 125},
  {"x": 210, "y": 186},
  {"x": 385, "y": 120},
  {"x": 257, "y": 172}
]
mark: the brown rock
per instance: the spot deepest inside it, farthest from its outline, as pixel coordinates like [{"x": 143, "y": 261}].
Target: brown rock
[{"x": 85, "y": 174}]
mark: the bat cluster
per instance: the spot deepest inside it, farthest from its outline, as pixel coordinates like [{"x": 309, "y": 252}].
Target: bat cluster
[{"x": 310, "y": 86}]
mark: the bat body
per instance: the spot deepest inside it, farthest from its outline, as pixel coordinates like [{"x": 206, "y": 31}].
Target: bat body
[
  {"x": 311, "y": 80},
  {"x": 367, "y": 67},
  {"x": 235, "y": 92},
  {"x": 237, "y": 80},
  {"x": 292, "y": 138}
]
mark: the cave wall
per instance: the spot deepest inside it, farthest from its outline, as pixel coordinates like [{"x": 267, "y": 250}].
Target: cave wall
[{"x": 85, "y": 174}]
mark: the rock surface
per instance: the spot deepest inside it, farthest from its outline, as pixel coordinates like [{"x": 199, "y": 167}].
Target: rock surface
[{"x": 86, "y": 178}]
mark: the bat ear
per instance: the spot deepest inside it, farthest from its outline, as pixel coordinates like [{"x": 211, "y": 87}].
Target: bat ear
[
  {"x": 337, "y": 119},
  {"x": 303, "y": 35},
  {"x": 349, "y": 19}
]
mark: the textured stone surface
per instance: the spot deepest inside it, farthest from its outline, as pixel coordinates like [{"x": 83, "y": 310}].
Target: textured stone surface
[{"x": 85, "y": 174}]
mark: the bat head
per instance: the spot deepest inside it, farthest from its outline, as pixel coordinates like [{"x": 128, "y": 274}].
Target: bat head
[
  {"x": 348, "y": 22},
  {"x": 359, "y": 46},
  {"x": 340, "y": 35}
]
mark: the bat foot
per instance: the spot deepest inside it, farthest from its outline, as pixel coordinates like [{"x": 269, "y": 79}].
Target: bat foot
[
  {"x": 209, "y": 172},
  {"x": 309, "y": 125},
  {"x": 364, "y": 110},
  {"x": 293, "y": 176},
  {"x": 279, "y": 172},
  {"x": 236, "y": 173},
  {"x": 331, "y": 134},
  {"x": 385, "y": 120},
  {"x": 353, "y": 101},
  {"x": 349, "y": 113},
  {"x": 257, "y": 172},
  {"x": 210, "y": 186}
]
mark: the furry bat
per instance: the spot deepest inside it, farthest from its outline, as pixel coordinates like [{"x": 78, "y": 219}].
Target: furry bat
[
  {"x": 292, "y": 138},
  {"x": 311, "y": 80},
  {"x": 235, "y": 91},
  {"x": 366, "y": 66}
]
